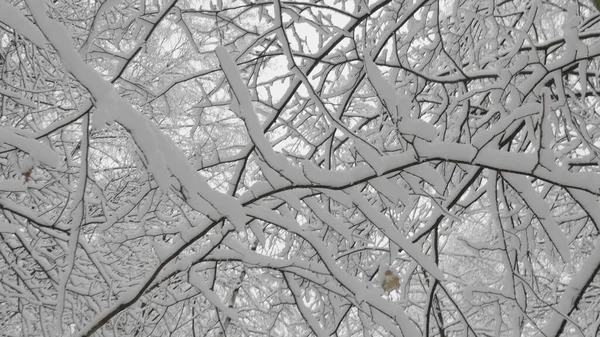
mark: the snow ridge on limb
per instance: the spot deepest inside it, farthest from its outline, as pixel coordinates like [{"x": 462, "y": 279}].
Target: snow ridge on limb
[
  {"x": 572, "y": 294},
  {"x": 483, "y": 138},
  {"x": 522, "y": 163},
  {"x": 33, "y": 147},
  {"x": 364, "y": 295},
  {"x": 366, "y": 150},
  {"x": 328, "y": 218},
  {"x": 164, "y": 159},
  {"x": 385, "y": 225},
  {"x": 78, "y": 214},
  {"x": 304, "y": 310},
  {"x": 396, "y": 105},
  {"x": 197, "y": 280},
  {"x": 15, "y": 19},
  {"x": 391, "y": 190},
  {"x": 542, "y": 211},
  {"x": 244, "y": 110},
  {"x": 17, "y": 97}
]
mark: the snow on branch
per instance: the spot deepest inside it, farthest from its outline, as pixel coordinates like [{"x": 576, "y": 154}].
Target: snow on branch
[
  {"x": 37, "y": 151},
  {"x": 15, "y": 19},
  {"x": 163, "y": 157}
]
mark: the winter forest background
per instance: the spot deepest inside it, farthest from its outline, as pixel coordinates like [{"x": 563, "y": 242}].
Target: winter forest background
[{"x": 253, "y": 168}]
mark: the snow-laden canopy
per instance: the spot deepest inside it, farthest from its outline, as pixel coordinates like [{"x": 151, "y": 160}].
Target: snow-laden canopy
[{"x": 299, "y": 168}]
